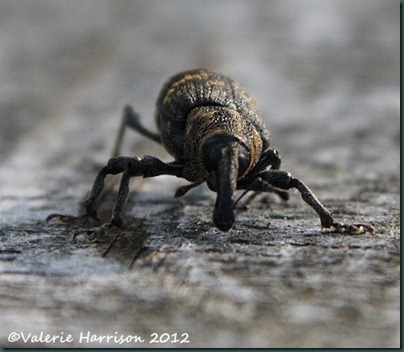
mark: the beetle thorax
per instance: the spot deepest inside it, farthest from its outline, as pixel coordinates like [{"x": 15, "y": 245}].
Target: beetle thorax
[{"x": 206, "y": 122}]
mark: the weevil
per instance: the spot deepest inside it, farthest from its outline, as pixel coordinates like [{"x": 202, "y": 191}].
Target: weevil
[{"x": 215, "y": 133}]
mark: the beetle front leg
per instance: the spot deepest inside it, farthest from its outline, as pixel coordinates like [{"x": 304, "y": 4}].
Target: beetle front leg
[
  {"x": 284, "y": 180},
  {"x": 116, "y": 219},
  {"x": 115, "y": 166},
  {"x": 309, "y": 197},
  {"x": 90, "y": 204},
  {"x": 275, "y": 179},
  {"x": 146, "y": 166},
  {"x": 325, "y": 216}
]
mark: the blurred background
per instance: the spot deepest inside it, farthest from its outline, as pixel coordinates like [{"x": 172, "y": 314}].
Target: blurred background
[{"x": 324, "y": 73}]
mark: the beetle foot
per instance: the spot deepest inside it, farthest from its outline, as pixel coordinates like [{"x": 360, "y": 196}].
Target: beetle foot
[
  {"x": 93, "y": 235},
  {"x": 354, "y": 229},
  {"x": 118, "y": 222},
  {"x": 326, "y": 219},
  {"x": 66, "y": 219}
]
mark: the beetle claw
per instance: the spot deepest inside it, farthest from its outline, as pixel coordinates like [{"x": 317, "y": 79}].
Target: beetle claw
[
  {"x": 65, "y": 219},
  {"x": 354, "y": 229},
  {"x": 92, "y": 235}
]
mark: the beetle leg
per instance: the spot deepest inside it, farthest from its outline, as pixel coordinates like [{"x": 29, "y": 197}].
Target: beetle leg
[
  {"x": 146, "y": 166},
  {"x": 131, "y": 119},
  {"x": 90, "y": 204},
  {"x": 325, "y": 216},
  {"x": 251, "y": 185},
  {"x": 184, "y": 189},
  {"x": 272, "y": 180},
  {"x": 248, "y": 201},
  {"x": 276, "y": 181},
  {"x": 273, "y": 159},
  {"x": 310, "y": 198},
  {"x": 269, "y": 159}
]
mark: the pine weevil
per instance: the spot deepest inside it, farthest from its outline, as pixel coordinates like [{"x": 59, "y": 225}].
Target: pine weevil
[{"x": 215, "y": 133}]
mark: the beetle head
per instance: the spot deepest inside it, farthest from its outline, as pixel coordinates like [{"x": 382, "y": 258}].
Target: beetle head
[{"x": 224, "y": 158}]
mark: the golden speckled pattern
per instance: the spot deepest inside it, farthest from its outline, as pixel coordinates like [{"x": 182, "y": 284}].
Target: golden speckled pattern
[
  {"x": 206, "y": 122},
  {"x": 195, "y": 88}
]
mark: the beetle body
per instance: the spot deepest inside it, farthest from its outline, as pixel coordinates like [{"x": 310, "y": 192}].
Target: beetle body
[
  {"x": 196, "y": 105},
  {"x": 215, "y": 133},
  {"x": 199, "y": 108}
]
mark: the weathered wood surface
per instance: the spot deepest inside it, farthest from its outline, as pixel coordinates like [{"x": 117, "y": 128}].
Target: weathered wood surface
[{"x": 326, "y": 76}]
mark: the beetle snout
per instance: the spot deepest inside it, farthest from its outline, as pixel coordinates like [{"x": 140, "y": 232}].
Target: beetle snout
[
  {"x": 225, "y": 225},
  {"x": 223, "y": 217}
]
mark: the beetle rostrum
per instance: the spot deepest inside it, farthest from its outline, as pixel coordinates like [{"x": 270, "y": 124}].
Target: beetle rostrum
[{"x": 215, "y": 133}]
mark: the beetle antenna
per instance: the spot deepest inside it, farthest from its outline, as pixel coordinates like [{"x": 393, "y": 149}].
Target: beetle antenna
[
  {"x": 248, "y": 189},
  {"x": 251, "y": 187}
]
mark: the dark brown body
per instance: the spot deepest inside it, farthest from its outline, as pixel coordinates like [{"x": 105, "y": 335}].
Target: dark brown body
[{"x": 187, "y": 116}]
